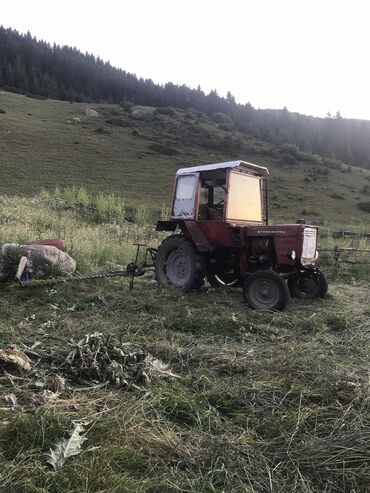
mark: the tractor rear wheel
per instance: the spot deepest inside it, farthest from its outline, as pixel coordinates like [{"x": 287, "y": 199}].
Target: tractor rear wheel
[
  {"x": 265, "y": 290},
  {"x": 178, "y": 263},
  {"x": 308, "y": 285}
]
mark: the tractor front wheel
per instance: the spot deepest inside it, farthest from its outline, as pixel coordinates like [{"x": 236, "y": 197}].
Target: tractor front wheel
[
  {"x": 265, "y": 290},
  {"x": 178, "y": 263},
  {"x": 308, "y": 285}
]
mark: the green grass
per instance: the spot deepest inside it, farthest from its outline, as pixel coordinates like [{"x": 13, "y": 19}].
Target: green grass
[
  {"x": 266, "y": 401},
  {"x": 41, "y": 146}
]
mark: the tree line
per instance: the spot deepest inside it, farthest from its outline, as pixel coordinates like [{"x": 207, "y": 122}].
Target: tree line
[{"x": 35, "y": 67}]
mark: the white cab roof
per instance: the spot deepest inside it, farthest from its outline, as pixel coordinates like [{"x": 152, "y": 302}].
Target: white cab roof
[{"x": 229, "y": 164}]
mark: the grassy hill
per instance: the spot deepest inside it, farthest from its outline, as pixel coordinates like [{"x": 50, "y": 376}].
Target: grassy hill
[
  {"x": 135, "y": 152},
  {"x": 261, "y": 402}
]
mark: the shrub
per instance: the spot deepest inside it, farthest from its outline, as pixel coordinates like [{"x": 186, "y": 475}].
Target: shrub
[
  {"x": 162, "y": 149},
  {"x": 99, "y": 130},
  {"x": 288, "y": 158},
  {"x": 36, "y": 96},
  {"x": 127, "y": 106},
  {"x": 364, "y": 206},
  {"x": 308, "y": 156},
  {"x": 165, "y": 111},
  {"x": 290, "y": 149},
  {"x": 164, "y": 213},
  {"x": 141, "y": 215},
  {"x": 57, "y": 193},
  {"x": 69, "y": 194},
  {"x": 336, "y": 196},
  {"x": 120, "y": 122},
  {"x": 227, "y": 127},
  {"x": 44, "y": 194},
  {"x": 110, "y": 204},
  {"x": 221, "y": 118},
  {"x": 82, "y": 196},
  {"x": 332, "y": 163}
]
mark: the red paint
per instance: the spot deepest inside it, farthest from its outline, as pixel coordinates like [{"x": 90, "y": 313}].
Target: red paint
[{"x": 60, "y": 244}]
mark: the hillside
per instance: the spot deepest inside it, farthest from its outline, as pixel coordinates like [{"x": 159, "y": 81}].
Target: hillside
[
  {"x": 135, "y": 152},
  {"x": 35, "y": 67}
]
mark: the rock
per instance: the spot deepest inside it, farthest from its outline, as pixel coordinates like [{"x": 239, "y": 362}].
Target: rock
[
  {"x": 92, "y": 113},
  {"x": 76, "y": 119}
]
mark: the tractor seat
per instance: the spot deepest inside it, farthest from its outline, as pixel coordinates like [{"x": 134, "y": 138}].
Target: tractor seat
[{"x": 207, "y": 212}]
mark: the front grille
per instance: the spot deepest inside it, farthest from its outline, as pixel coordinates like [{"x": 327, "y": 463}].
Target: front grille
[{"x": 309, "y": 243}]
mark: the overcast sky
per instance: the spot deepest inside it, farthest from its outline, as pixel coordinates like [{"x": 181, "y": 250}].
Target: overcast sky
[{"x": 312, "y": 56}]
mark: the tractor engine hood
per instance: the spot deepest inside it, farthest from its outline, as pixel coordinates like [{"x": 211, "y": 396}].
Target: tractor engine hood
[{"x": 294, "y": 244}]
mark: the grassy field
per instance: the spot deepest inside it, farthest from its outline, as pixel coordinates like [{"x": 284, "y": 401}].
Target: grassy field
[
  {"x": 135, "y": 153},
  {"x": 261, "y": 402}
]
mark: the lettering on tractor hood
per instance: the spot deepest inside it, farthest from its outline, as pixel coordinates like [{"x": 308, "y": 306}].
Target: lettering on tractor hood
[{"x": 271, "y": 231}]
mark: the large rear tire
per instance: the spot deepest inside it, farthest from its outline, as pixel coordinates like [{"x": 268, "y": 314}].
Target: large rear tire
[
  {"x": 178, "y": 263},
  {"x": 308, "y": 285},
  {"x": 265, "y": 290}
]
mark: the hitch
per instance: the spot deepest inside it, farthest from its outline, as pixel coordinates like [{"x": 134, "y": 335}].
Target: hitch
[{"x": 136, "y": 268}]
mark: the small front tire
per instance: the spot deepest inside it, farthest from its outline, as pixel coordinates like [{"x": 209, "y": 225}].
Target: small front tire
[
  {"x": 265, "y": 290},
  {"x": 308, "y": 285}
]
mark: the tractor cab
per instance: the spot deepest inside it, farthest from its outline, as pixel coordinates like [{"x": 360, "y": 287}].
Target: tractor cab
[{"x": 233, "y": 192}]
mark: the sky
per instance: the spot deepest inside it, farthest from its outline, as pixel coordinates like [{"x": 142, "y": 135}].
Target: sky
[{"x": 308, "y": 55}]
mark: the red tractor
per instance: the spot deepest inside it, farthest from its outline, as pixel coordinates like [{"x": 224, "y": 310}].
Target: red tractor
[{"x": 221, "y": 211}]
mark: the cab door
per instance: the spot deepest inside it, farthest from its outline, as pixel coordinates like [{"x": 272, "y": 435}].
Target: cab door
[{"x": 185, "y": 199}]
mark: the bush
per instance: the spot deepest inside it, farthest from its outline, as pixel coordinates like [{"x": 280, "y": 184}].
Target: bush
[
  {"x": 110, "y": 204},
  {"x": 336, "y": 196},
  {"x": 290, "y": 149},
  {"x": 311, "y": 158},
  {"x": 221, "y": 118},
  {"x": 69, "y": 194},
  {"x": 227, "y": 127},
  {"x": 127, "y": 106},
  {"x": 332, "y": 163},
  {"x": 162, "y": 149},
  {"x": 82, "y": 196},
  {"x": 36, "y": 96},
  {"x": 101, "y": 130},
  {"x": 165, "y": 111},
  {"x": 141, "y": 215},
  {"x": 288, "y": 158},
  {"x": 120, "y": 122},
  {"x": 364, "y": 206}
]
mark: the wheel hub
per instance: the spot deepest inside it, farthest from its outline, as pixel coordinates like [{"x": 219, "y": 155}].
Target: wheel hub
[
  {"x": 265, "y": 292},
  {"x": 178, "y": 268}
]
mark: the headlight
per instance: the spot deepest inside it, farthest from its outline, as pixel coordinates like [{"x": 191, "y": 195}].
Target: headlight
[
  {"x": 292, "y": 255},
  {"x": 316, "y": 254}
]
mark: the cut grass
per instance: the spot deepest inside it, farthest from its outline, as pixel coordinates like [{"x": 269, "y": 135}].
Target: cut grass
[{"x": 266, "y": 401}]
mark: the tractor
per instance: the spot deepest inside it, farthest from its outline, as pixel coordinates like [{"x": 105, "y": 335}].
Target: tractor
[{"x": 221, "y": 212}]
